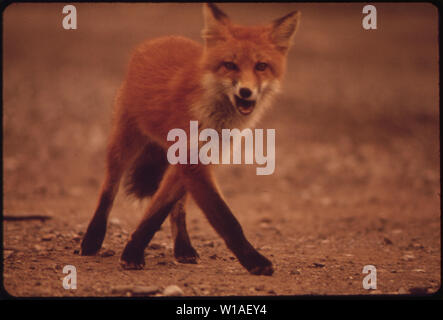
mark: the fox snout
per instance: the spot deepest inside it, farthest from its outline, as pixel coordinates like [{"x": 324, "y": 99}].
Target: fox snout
[
  {"x": 244, "y": 97},
  {"x": 246, "y": 92}
]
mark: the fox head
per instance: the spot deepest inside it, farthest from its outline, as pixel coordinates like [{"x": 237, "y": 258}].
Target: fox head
[{"x": 244, "y": 65}]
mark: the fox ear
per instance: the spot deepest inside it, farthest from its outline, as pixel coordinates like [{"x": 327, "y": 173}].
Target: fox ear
[
  {"x": 283, "y": 30},
  {"x": 216, "y": 22}
]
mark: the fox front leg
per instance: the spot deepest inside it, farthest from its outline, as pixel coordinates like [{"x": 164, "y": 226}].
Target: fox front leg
[
  {"x": 200, "y": 183},
  {"x": 183, "y": 250}
]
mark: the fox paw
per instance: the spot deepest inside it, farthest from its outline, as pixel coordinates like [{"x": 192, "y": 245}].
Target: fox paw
[
  {"x": 262, "y": 270},
  {"x": 93, "y": 239},
  {"x": 131, "y": 265},
  {"x": 257, "y": 264},
  {"x": 185, "y": 254},
  {"x": 132, "y": 258}
]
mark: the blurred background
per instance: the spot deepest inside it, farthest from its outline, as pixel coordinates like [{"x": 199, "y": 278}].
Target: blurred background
[{"x": 357, "y": 131}]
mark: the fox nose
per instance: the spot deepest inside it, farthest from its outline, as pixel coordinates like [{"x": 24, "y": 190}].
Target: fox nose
[{"x": 245, "y": 93}]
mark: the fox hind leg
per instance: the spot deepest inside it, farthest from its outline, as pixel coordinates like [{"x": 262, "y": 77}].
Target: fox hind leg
[
  {"x": 122, "y": 148},
  {"x": 183, "y": 250},
  {"x": 169, "y": 192}
]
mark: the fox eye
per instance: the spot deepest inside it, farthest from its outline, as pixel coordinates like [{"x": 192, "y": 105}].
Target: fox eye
[
  {"x": 261, "y": 66},
  {"x": 230, "y": 65}
]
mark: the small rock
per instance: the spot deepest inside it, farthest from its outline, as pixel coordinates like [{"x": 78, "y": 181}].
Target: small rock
[
  {"x": 387, "y": 241},
  {"x": 294, "y": 272},
  {"x": 47, "y": 237},
  {"x": 317, "y": 265},
  {"x": 107, "y": 253},
  {"x": 402, "y": 291},
  {"x": 260, "y": 288},
  {"x": 144, "y": 290},
  {"x": 375, "y": 292},
  {"x": 265, "y": 225},
  {"x": 115, "y": 221},
  {"x": 38, "y": 247},
  {"x": 419, "y": 270},
  {"x": 57, "y": 266},
  {"x": 213, "y": 257},
  {"x": 76, "y": 251},
  {"x": 416, "y": 245},
  {"x": 173, "y": 290},
  {"x": 155, "y": 246},
  {"x": 209, "y": 244},
  {"x": 408, "y": 257},
  {"x": 7, "y": 253},
  {"x": 167, "y": 246},
  {"x": 121, "y": 289}
]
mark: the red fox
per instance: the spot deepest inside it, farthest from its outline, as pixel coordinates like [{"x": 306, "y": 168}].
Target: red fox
[{"x": 225, "y": 83}]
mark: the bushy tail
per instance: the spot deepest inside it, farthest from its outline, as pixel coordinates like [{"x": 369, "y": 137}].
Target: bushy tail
[{"x": 146, "y": 172}]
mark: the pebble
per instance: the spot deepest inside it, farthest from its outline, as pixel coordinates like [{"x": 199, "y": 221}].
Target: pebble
[
  {"x": 8, "y": 253},
  {"x": 155, "y": 246},
  {"x": 387, "y": 241},
  {"x": 209, "y": 244},
  {"x": 416, "y": 245},
  {"x": 402, "y": 291},
  {"x": 375, "y": 292},
  {"x": 107, "y": 253},
  {"x": 173, "y": 290},
  {"x": 38, "y": 247},
  {"x": 48, "y": 237},
  {"x": 144, "y": 290},
  {"x": 408, "y": 257},
  {"x": 115, "y": 221},
  {"x": 135, "y": 290},
  {"x": 265, "y": 225},
  {"x": 317, "y": 265}
]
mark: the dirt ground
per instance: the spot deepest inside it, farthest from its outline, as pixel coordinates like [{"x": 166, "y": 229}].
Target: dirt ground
[{"x": 357, "y": 178}]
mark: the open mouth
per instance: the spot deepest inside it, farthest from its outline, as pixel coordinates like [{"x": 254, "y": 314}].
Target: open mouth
[{"x": 245, "y": 107}]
